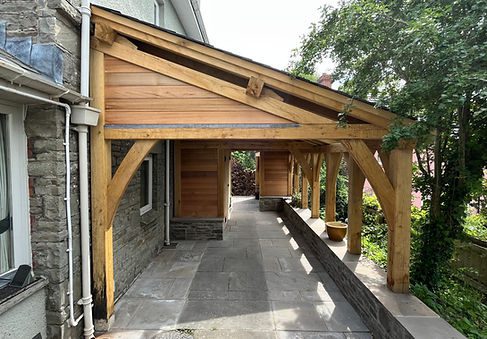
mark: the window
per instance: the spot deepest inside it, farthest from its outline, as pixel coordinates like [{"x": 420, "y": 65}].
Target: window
[
  {"x": 14, "y": 213},
  {"x": 146, "y": 185}
]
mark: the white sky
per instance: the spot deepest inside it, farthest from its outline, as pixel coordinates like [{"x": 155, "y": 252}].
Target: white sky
[{"x": 262, "y": 30}]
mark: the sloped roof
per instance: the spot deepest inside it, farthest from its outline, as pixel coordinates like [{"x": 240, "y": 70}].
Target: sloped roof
[{"x": 281, "y": 91}]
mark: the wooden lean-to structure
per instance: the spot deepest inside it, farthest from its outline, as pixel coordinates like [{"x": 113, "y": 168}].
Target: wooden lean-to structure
[{"x": 153, "y": 85}]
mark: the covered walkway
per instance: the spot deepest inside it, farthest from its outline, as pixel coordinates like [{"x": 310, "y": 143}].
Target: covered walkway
[{"x": 259, "y": 282}]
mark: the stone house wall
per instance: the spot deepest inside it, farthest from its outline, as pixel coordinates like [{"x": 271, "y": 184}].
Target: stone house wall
[{"x": 44, "y": 35}]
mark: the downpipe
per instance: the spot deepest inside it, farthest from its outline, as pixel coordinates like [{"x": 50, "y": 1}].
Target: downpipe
[
  {"x": 72, "y": 320},
  {"x": 167, "y": 203}
]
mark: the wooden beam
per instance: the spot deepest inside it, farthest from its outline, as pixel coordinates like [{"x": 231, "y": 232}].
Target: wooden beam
[
  {"x": 332, "y": 167},
  {"x": 356, "y": 180},
  {"x": 221, "y": 183},
  {"x": 126, "y": 42},
  {"x": 284, "y": 133},
  {"x": 254, "y": 87},
  {"x": 290, "y": 168},
  {"x": 317, "y": 160},
  {"x": 125, "y": 172},
  {"x": 306, "y": 167},
  {"x": 101, "y": 230},
  {"x": 374, "y": 173},
  {"x": 399, "y": 236},
  {"x": 207, "y": 82},
  {"x": 237, "y": 65},
  {"x": 304, "y": 191},
  {"x": 295, "y": 178},
  {"x": 105, "y": 33}
]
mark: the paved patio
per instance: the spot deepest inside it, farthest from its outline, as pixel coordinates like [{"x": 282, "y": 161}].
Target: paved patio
[{"x": 256, "y": 283}]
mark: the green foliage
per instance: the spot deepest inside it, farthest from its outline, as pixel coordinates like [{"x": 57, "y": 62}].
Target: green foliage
[
  {"x": 427, "y": 60},
  {"x": 476, "y": 226},
  {"x": 245, "y": 158},
  {"x": 458, "y": 304}
]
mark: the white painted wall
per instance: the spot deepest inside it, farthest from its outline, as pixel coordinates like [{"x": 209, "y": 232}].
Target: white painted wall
[{"x": 144, "y": 10}]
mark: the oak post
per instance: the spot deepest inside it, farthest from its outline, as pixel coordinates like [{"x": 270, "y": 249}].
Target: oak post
[
  {"x": 304, "y": 191},
  {"x": 356, "y": 180},
  {"x": 332, "y": 167},
  {"x": 317, "y": 161},
  {"x": 399, "y": 235},
  {"x": 101, "y": 229}
]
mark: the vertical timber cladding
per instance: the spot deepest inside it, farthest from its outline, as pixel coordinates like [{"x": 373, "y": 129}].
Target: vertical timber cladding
[{"x": 274, "y": 173}]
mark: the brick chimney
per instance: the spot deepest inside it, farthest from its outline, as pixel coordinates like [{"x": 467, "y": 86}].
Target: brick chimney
[{"x": 325, "y": 80}]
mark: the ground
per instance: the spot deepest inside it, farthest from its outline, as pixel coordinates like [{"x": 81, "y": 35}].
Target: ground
[{"x": 256, "y": 283}]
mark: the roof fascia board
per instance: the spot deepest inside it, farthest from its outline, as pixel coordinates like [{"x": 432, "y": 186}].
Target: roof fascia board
[{"x": 189, "y": 20}]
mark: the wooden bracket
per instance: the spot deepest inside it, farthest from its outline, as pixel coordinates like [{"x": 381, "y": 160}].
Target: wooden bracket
[
  {"x": 254, "y": 87},
  {"x": 105, "y": 33},
  {"x": 303, "y": 162}
]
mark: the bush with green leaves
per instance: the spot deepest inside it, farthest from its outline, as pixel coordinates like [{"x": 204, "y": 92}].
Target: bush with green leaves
[
  {"x": 476, "y": 226},
  {"x": 245, "y": 158}
]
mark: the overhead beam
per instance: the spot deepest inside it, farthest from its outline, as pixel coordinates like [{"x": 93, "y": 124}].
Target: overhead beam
[
  {"x": 207, "y": 82},
  {"x": 236, "y": 65},
  {"x": 331, "y": 131},
  {"x": 332, "y": 168},
  {"x": 125, "y": 172}
]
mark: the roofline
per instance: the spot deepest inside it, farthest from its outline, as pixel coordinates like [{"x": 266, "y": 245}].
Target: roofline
[
  {"x": 241, "y": 65},
  {"x": 190, "y": 16}
]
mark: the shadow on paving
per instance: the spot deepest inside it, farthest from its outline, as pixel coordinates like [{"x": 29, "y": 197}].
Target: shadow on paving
[{"x": 259, "y": 282}]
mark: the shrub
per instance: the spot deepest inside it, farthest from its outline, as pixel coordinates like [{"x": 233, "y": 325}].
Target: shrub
[{"x": 476, "y": 226}]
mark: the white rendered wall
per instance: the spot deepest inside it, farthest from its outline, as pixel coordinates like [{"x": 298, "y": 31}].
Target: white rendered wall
[{"x": 171, "y": 20}]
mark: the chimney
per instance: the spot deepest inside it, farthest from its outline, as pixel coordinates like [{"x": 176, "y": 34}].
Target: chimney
[{"x": 325, "y": 80}]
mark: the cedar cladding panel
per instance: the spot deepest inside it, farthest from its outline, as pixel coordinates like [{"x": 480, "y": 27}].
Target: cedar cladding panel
[
  {"x": 136, "y": 95},
  {"x": 275, "y": 173},
  {"x": 199, "y": 182}
]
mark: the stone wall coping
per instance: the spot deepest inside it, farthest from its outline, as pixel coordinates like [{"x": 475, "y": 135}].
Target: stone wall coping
[
  {"x": 27, "y": 291},
  {"x": 197, "y": 219},
  {"x": 417, "y": 318}
]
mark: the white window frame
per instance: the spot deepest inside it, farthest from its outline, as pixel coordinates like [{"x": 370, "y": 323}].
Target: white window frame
[
  {"x": 148, "y": 207},
  {"x": 18, "y": 182}
]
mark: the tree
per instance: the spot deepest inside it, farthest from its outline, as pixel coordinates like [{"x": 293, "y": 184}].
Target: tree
[{"x": 427, "y": 60}]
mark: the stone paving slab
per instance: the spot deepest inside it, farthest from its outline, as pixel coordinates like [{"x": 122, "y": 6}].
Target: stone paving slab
[{"x": 256, "y": 283}]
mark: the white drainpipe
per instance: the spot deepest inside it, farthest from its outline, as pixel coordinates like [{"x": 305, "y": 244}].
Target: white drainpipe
[
  {"x": 167, "y": 203},
  {"x": 82, "y": 130}
]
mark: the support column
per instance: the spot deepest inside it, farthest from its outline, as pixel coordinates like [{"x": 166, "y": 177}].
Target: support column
[
  {"x": 317, "y": 161},
  {"x": 332, "y": 167},
  {"x": 295, "y": 178},
  {"x": 102, "y": 239},
  {"x": 356, "y": 180},
  {"x": 399, "y": 235},
  {"x": 304, "y": 191}
]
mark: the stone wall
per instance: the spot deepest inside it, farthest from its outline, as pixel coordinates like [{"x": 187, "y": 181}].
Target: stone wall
[
  {"x": 270, "y": 204},
  {"x": 137, "y": 239},
  {"x": 44, "y": 127},
  {"x": 375, "y": 315},
  {"x": 43, "y": 34},
  {"x": 197, "y": 229}
]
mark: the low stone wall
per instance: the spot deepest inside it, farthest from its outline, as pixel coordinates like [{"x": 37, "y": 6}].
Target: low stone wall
[
  {"x": 197, "y": 229},
  {"x": 471, "y": 257},
  {"x": 270, "y": 204},
  {"x": 378, "y": 319}
]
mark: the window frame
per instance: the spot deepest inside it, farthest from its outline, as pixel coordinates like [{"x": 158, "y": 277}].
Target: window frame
[
  {"x": 146, "y": 208},
  {"x": 17, "y": 160}
]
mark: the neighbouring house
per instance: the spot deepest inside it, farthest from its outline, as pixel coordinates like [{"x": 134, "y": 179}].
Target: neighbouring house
[
  {"x": 40, "y": 60},
  {"x": 98, "y": 173}
]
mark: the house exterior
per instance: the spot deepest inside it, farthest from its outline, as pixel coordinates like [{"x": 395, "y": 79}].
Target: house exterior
[{"x": 40, "y": 63}]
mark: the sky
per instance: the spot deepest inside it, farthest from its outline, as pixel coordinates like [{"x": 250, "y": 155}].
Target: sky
[{"x": 263, "y": 30}]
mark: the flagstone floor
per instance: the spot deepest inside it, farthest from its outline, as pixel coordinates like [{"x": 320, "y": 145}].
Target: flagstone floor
[{"x": 256, "y": 283}]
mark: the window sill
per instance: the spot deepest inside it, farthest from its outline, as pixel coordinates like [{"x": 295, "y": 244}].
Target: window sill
[{"x": 22, "y": 294}]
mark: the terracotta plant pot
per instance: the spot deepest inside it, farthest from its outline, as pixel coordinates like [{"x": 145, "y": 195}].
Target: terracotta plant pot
[{"x": 336, "y": 230}]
